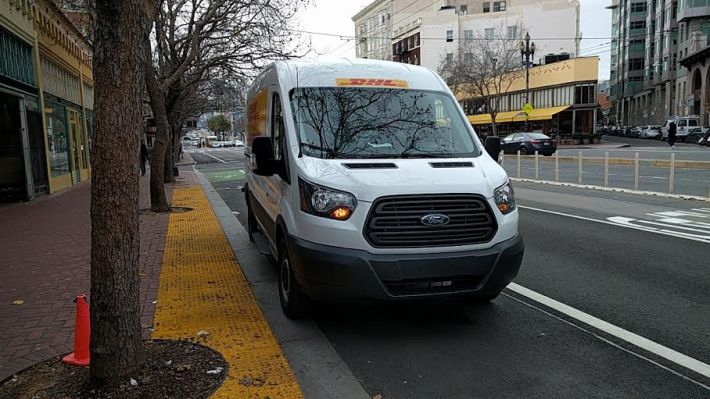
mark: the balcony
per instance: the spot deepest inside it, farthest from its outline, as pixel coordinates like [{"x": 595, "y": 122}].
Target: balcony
[{"x": 693, "y": 9}]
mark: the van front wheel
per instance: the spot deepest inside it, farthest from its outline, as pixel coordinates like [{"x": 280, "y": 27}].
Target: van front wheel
[{"x": 294, "y": 303}]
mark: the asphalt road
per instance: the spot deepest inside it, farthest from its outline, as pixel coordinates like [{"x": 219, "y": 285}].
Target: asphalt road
[
  {"x": 637, "y": 262},
  {"x": 647, "y": 148}
]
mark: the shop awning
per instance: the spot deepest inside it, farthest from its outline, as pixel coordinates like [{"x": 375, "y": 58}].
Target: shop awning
[{"x": 540, "y": 114}]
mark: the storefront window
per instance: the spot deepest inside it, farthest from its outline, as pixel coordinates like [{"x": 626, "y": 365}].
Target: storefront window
[{"x": 57, "y": 139}]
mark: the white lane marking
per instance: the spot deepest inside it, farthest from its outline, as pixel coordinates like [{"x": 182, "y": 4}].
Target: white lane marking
[
  {"x": 619, "y": 223},
  {"x": 212, "y": 156},
  {"x": 618, "y": 332},
  {"x": 629, "y": 222},
  {"x": 517, "y": 288}
]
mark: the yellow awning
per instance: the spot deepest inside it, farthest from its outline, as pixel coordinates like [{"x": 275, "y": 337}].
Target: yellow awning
[{"x": 540, "y": 114}]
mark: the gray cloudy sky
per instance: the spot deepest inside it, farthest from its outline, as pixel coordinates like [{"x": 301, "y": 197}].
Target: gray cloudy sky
[{"x": 333, "y": 17}]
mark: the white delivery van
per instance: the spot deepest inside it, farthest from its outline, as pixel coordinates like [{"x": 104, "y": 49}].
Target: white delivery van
[
  {"x": 683, "y": 126},
  {"x": 369, "y": 183}
]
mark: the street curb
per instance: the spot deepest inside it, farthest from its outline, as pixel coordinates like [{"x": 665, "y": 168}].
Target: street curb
[
  {"x": 612, "y": 189},
  {"x": 320, "y": 371}
]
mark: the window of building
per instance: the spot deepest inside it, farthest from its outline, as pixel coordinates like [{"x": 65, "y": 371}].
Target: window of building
[
  {"x": 636, "y": 64},
  {"x": 486, "y": 6},
  {"x": 498, "y": 6},
  {"x": 488, "y": 33},
  {"x": 637, "y": 25},
  {"x": 449, "y": 57},
  {"x": 512, "y": 32},
  {"x": 468, "y": 58},
  {"x": 468, "y": 35},
  {"x": 638, "y": 7},
  {"x": 463, "y": 9},
  {"x": 450, "y": 35}
]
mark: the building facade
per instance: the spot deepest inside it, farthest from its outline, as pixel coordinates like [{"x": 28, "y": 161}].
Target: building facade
[
  {"x": 563, "y": 95},
  {"x": 46, "y": 100},
  {"x": 425, "y": 33},
  {"x": 652, "y": 77},
  {"x": 373, "y": 29}
]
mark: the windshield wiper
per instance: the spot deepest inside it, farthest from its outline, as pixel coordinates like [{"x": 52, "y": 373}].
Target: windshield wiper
[{"x": 329, "y": 151}]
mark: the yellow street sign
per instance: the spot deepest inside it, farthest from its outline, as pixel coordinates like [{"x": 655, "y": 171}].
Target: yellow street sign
[{"x": 528, "y": 108}]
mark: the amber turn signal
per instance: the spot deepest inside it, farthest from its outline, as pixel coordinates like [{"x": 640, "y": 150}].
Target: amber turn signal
[
  {"x": 504, "y": 208},
  {"x": 340, "y": 213}
]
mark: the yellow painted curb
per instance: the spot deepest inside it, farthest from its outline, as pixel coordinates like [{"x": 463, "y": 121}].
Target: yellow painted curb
[{"x": 202, "y": 288}]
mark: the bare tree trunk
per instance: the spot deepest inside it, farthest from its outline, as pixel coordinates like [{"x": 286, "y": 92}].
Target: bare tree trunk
[
  {"x": 168, "y": 162},
  {"x": 158, "y": 200},
  {"x": 119, "y": 59}
]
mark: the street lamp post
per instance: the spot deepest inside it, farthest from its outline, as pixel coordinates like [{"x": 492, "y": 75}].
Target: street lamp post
[{"x": 527, "y": 51}]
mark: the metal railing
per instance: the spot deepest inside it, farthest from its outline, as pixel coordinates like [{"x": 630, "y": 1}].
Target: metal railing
[{"x": 637, "y": 174}]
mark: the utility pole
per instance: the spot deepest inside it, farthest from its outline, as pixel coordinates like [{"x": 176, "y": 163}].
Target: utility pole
[{"x": 527, "y": 51}]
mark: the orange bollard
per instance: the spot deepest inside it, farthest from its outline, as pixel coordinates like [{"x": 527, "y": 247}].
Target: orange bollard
[{"x": 80, "y": 356}]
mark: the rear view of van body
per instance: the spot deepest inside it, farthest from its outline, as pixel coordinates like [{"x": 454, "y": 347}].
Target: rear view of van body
[
  {"x": 683, "y": 125},
  {"x": 368, "y": 183}
]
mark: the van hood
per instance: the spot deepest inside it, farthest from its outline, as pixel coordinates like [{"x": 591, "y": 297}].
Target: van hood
[{"x": 411, "y": 176}]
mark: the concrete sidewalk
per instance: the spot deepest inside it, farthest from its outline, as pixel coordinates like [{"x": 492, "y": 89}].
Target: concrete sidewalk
[{"x": 45, "y": 247}]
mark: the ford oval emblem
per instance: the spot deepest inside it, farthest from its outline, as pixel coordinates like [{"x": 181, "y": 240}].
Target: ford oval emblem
[{"x": 435, "y": 219}]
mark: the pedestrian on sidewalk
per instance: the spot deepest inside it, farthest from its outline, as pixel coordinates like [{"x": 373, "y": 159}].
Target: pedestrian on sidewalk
[
  {"x": 145, "y": 156},
  {"x": 672, "y": 130}
]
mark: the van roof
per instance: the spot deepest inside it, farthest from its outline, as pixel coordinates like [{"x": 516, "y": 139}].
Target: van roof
[{"x": 332, "y": 72}]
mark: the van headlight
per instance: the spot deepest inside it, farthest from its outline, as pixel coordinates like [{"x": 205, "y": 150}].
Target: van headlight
[
  {"x": 326, "y": 202},
  {"x": 504, "y": 197}
]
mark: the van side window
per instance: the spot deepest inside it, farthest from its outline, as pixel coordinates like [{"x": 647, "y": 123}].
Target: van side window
[
  {"x": 278, "y": 132},
  {"x": 692, "y": 122},
  {"x": 682, "y": 122}
]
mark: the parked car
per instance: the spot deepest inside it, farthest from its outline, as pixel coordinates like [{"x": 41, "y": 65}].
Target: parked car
[
  {"x": 650, "y": 132},
  {"x": 635, "y": 132},
  {"x": 238, "y": 143},
  {"x": 528, "y": 143},
  {"x": 379, "y": 217},
  {"x": 683, "y": 125}
]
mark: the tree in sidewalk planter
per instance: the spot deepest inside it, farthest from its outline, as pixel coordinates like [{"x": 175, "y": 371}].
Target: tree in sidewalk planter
[
  {"x": 192, "y": 42},
  {"x": 218, "y": 124},
  {"x": 119, "y": 59},
  {"x": 484, "y": 70}
]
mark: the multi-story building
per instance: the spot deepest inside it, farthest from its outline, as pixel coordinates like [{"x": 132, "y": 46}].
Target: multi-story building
[
  {"x": 46, "y": 100},
  {"x": 563, "y": 94},
  {"x": 426, "y": 33},
  {"x": 650, "y": 38},
  {"x": 373, "y": 29}
]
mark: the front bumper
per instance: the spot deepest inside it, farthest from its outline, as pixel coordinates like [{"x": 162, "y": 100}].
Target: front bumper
[{"x": 326, "y": 272}]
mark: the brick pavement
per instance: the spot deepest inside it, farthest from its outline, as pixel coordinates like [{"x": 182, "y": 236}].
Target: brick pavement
[{"x": 45, "y": 261}]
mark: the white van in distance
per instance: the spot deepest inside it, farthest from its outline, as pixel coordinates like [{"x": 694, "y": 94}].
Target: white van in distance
[{"x": 369, "y": 183}]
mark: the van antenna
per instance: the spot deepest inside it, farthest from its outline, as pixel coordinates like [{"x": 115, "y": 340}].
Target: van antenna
[{"x": 298, "y": 135}]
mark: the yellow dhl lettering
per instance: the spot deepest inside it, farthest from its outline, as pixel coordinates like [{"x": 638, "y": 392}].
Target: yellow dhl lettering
[{"x": 368, "y": 82}]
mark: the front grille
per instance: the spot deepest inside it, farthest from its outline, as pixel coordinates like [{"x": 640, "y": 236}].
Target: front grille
[
  {"x": 432, "y": 286},
  {"x": 396, "y": 222}
]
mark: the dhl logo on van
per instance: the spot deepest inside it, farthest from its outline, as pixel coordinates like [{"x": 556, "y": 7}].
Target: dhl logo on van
[{"x": 399, "y": 84}]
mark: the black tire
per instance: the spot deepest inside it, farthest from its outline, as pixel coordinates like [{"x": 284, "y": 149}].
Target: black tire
[
  {"x": 523, "y": 151},
  {"x": 294, "y": 303},
  {"x": 252, "y": 225},
  {"x": 549, "y": 154}
]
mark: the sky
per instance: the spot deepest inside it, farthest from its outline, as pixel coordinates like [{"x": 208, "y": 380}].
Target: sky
[{"x": 333, "y": 17}]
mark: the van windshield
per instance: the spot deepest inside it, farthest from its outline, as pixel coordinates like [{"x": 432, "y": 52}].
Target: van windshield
[{"x": 347, "y": 122}]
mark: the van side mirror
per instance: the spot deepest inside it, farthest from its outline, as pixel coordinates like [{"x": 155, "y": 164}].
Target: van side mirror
[
  {"x": 493, "y": 147},
  {"x": 262, "y": 149}
]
